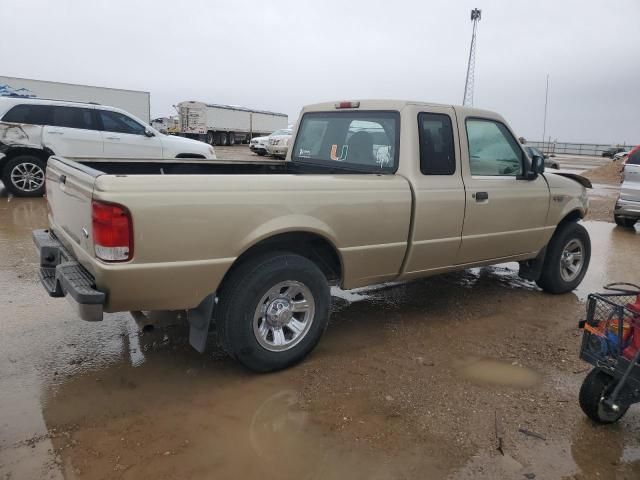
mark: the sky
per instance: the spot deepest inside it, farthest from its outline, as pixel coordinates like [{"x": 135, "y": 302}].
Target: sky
[{"x": 280, "y": 55}]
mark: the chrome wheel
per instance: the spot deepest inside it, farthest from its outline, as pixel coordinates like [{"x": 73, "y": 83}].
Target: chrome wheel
[
  {"x": 27, "y": 176},
  {"x": 283, "y": 316},
  {"x": 571, "y": 260}
]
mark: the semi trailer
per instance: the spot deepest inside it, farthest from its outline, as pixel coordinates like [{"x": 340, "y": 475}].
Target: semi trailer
[{"x": 226, "y": 124}]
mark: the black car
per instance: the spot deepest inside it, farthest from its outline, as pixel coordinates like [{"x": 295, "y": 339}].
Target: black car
[{"x": 612, "y": 151}]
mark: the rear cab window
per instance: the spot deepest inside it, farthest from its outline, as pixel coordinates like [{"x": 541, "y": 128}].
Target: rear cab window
[{"x": 366, "y": 141}]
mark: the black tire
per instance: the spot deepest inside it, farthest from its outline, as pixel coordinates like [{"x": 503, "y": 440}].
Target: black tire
[
  {"x": 222, "y": 139},
  {"x": 239, "y": 299},
  {"x": 595, "y": 387},
  {"x": 262, "y": 153},
  {"x": 21, "y": 186},
  {"x": 625, "y": 222},
  {"x": 554, "y": 279},
  {"x": 232, "y": 138},
  {"x": 211, "y": 138}
]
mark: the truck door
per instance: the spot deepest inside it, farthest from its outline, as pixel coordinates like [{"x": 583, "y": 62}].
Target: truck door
[
  {"x": 72, "y": 132},
  {"x": 504, "y": 215},
  {"x": 438, "y": 192},
  {"x": 125, "y": 137}
]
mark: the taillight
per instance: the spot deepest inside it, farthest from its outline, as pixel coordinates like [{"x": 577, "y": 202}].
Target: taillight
[
  {"x": 347, "y": 105},
  {"x": 112, "y": 232}
]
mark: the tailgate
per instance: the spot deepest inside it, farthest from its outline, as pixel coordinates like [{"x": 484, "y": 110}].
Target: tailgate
[{"x": 69, "y": 194}]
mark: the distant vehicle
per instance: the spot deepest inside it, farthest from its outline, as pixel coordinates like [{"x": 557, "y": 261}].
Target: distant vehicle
[
  {"x": 278, "y": 144},
  {"x": 31, "y": 130},
  {"x": 226, "y": 124},
  {"x": 627, "y": 209},
  {"x": 167, "y": 125},
  {"x": 612, "y": 151},
  {"x": 620, "y": 155},
  {"x": 134, "y": 101},
  {"x": 531, "y": 151},
  {"x": 258, "y": 145}
]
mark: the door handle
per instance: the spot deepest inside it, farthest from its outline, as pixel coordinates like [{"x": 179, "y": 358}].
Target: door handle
[
  {"x": 112, "y": 138},
  {"x": 55, "y": 132},
  {"x": 481, "y": 196}
]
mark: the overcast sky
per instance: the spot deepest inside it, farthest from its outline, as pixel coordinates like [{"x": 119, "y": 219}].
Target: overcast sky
[{"x": 279, "y": 55}]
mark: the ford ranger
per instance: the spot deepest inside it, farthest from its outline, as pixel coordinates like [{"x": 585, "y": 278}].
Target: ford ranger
[{"x": 371, "y": 191}]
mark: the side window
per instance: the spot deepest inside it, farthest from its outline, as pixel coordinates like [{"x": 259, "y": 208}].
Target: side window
[
  {"x": 492, "y": 149},
  {"x": 119, "y": 123},
  {"x": 31, "y": 114},
  {"x": 73, "y": 117},
  {"x": 437, "y": 153}
]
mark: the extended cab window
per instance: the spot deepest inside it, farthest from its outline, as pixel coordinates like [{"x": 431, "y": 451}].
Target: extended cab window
[
  {"x": 73, "y": 117},
  {"x": 365, "y": 141},
  {"x": 119, "y": 123},
  {"x": 437, "y": 154},
  {"x": 492, "y": 149},
  {"x": 31, "y": 114}
]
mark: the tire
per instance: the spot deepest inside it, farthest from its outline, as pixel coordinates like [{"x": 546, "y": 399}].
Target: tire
[
  {"x": 24, "y": 176},
  {"x": 222, "y": 139},
  {"x": 562, "y": 271},
  {"x": 262, "y": 153},
  {"x": 232, "y": 138},
  {"x": 596, "y": 385},
  {"x": 625, "y": 222},
  {"x": 250, "y": 289},
  {"x": 211, "y": 138}
]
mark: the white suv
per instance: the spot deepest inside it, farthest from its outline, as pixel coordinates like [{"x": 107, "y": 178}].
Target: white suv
[{"x": 33, "y": 129}]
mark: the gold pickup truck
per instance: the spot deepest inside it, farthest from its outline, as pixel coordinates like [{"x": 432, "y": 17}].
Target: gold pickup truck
[{"x": 371, "y": 191}]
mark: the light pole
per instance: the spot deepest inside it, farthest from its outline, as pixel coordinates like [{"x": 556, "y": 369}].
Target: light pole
[{"x": 467, "y": 99}]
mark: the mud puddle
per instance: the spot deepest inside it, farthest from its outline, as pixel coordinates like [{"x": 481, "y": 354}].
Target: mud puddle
[{"x": 406, "y": 383}]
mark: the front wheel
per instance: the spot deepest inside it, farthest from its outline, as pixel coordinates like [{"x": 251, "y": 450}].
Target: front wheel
[
  {"x": 596, "y": 386},
  {"x": 567, "y": 259},
  {"x": 24, "y": 176},
  {"x": 272, "y": 311}
]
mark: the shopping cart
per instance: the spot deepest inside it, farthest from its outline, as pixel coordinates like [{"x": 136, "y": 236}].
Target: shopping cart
[{"x": 611, "y": 343}]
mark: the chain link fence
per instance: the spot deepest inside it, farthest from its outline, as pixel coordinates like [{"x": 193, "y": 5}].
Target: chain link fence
[{"x": 595, "y": 149}]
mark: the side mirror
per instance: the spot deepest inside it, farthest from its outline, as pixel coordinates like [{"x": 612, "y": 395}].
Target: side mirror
[
  {"x": 537, "y": 164},
  {"x": 149, "y": 133}
]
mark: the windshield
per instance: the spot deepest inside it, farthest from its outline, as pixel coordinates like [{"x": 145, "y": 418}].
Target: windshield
[
  {"x": 283, "y": 131},
  {"x": 364, "y": 140}
]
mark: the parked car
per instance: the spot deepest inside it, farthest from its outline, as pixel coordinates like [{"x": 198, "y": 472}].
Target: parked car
[
  {"x": 256, "y": 251},
  {"x": 548, "y": 162},
  {"x": 31, "y": 130},
  {"x": 278, "y": 143},
  {"x": 612, "y": 151},
  {"x": 627, "y": 209},
  {"x": 258, "y": 145},
  {"x": 621, "y": 155}
]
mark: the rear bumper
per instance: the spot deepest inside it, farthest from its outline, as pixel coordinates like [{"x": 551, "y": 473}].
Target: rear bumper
[
  {"x": 62, "y": 276},
  {"x": 627, "y": 208}
]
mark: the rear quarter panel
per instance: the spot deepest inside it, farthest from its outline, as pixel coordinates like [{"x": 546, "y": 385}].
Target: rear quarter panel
[{"x": 189, "y": 229}]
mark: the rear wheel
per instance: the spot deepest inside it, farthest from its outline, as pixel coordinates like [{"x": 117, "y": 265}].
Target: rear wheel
[
  {"x": 272, "y": 311},
  {"x": 24, "y": 176},
  {"x": 222, "y": 139},
  {"x": 211, "y": 138},
  {"x": 596, "y": 386},
  {"x": 567, "y": 259},
  {"x": 232, "y": 138},
  {"x": 625, "y": 222}
]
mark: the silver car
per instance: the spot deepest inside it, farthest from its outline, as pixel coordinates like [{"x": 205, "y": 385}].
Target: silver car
[{"x": 627, "y": 209}]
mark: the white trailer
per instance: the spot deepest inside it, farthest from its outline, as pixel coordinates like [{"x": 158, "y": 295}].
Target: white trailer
[
  {"x": 136, "y": 102},
  {"x": 226, "y": 124}
]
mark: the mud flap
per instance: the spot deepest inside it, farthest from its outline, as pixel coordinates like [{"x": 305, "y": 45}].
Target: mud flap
[
  {"x": 532, "y": 269},
  {"x": 199, "y": 320}
]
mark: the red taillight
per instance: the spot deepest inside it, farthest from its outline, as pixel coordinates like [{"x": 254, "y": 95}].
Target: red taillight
[
  {"x": 112, "y": 232},
  {"x": 348, "y": 105}
]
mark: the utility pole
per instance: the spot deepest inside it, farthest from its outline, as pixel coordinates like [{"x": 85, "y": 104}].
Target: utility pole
[
  {"x": 544, "y": 124},
  {"x": 467, "y": 100}
]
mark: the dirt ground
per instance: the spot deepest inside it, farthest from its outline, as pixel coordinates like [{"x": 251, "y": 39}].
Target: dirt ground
[{"x": 419, "y": 380}]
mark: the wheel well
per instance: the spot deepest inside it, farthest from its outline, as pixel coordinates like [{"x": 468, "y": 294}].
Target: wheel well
[
  {"x": 310, "y": 245},
  {"x": 189, "y": 155},
  {"x": 14, "y": 152},
  {"x": 572, "y": 216}
]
